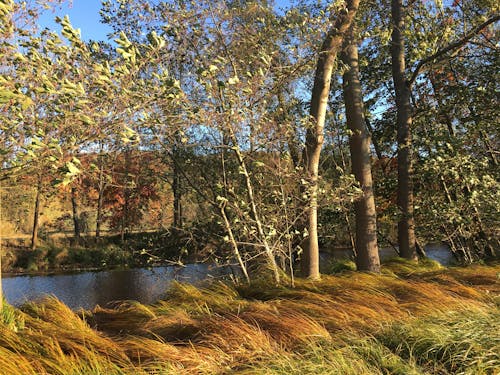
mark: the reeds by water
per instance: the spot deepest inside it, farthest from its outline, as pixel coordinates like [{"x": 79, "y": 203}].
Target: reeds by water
[{"x": 408, "y": 320}]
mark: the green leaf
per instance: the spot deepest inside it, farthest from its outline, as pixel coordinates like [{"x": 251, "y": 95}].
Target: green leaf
[
  {"x": 233, "y": 80},
  {"x": 72, "y": 168}
]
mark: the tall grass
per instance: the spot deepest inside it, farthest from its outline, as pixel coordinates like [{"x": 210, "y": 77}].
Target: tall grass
[
  {"x": 411, "y": 319},
  {"x": 464, "y": 342}
]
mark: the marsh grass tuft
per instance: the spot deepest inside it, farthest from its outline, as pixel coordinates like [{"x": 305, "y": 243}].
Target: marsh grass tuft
[
  {"x": 411, "y": 319},
  {"x": 10, "y": 317},
  {"x": 466, "y": 341}
]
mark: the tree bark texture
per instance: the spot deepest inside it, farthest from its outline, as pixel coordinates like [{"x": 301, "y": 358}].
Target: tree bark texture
[
  {"x": 315, "y": 133},
  {"x": 406, "y": 224},
  {"x": 76, "y": 216},
  {"x": 36, "y": 215},
  {"x": 176, "y": 190},
  {"x": 1, "y": 290},
  {"x": 376, "y": 145},
  {"x": 100, "y": 200},
  {"x": 126, "y": 197},
  {"x": 367, "y": 257}
]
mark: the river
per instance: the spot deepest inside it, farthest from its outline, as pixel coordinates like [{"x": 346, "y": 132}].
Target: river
[
  {"x": 88, "y": 289},
  {"x": 146, "y": 285}
]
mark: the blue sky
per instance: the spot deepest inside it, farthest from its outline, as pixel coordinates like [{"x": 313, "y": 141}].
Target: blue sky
[{"x": 83, "y": 14}]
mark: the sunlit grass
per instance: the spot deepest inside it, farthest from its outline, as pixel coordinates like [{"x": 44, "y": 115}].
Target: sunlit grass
[
  {"x": 411, "y": 319},
  {"x": 466, "y": 341}
]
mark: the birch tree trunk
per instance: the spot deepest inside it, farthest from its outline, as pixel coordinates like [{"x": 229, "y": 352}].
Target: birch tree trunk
[{"x": 315, "y": 133}]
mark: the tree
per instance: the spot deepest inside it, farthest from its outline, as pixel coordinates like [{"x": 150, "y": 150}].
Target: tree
[
  {"x": 36, "y": 213},
  {"x": 406, "y": 224},
  {"x": 402, "y": 84},
  {"x": 1, "y": 253},
  {"x": 314, "y": 135},
  {"x": 456, "y": 145},
  {"x": 101, "y": 185},
  {"x": 77, "y": 230},
  {"x": 14, "y": 99},
  {"x": 178, "y": 56},
  {"x": 236, "y": 54},
  {"x": 367, "y": 258}
]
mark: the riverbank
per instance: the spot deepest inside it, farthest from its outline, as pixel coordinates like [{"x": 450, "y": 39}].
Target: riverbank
[
  {"x": 152, "y": 249},
  {"x": 142, "y": 249},
  {"x": 409, "y": 320}
]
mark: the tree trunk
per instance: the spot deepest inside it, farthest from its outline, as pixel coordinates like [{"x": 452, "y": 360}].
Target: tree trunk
[
  {"x": 36, "y": 215},
  {"x": 271, "y": 260},
  {"x": 100, "y": 200},
  {"x": 376, "y": 145},
  {"x": 233, "y": 242},
  {"x": 489, "y": 148},
  {"x": 406, "y": 225},
  {"x": 291, "y": 131},
  {"x": 126, "y": 197},
  {"x": 176, "y": 191},
  {"x": 76, "y": 217},
  {"x": 1, "y": 289},
  {"x": 314, "y": 135},
  {"x": 367, "y": 258},
  {"x": 484, "y": 137},
  {"x": 443, "y": 114}
]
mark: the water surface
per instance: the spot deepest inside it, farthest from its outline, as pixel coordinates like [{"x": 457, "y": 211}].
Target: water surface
[
  {"x": 88, "y": 289},
  {"x": 146, "y": 285}
]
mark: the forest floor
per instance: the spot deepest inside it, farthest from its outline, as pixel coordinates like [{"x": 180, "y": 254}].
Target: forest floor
[{"x": 410, "y": 319}]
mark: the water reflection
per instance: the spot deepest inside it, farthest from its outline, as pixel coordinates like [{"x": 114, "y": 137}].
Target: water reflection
[{"x": 88, "y": 289}]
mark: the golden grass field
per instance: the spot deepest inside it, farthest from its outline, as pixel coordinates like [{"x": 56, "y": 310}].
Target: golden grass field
[{"x": 411, "y": 319}]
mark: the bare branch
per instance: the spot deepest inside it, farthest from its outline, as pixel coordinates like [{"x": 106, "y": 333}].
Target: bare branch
[{"x": 453, "y": 46}]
